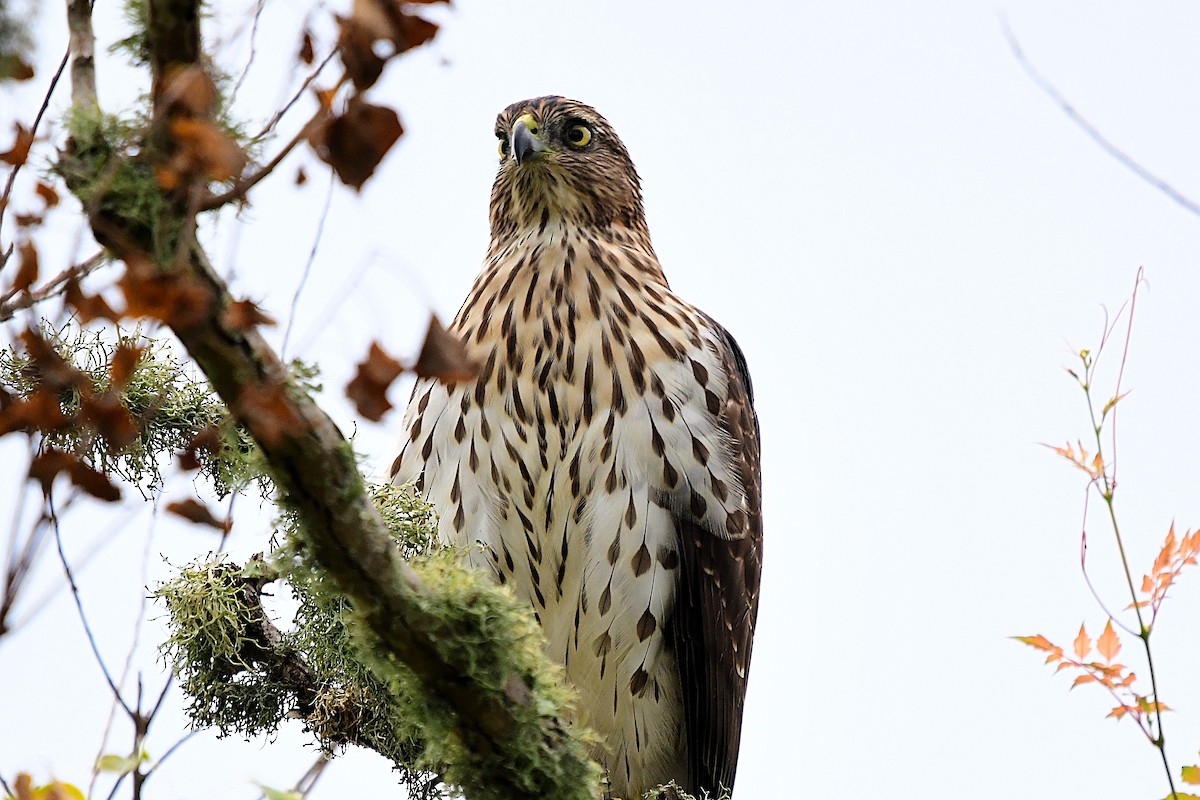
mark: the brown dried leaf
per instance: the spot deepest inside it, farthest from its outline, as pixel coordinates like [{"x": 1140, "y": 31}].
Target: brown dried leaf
[
  {"x": 108, "y": 415},
  {"x": 356, "y": 44},
  {"x": 46, "y": 466},
  {"x": 205, "y": 149},
  {"x": 354, "y": 143},
  {"x": 208, "y": 440},
  {"x": 306, "y": 48},
  {"x": 41, "y": 410},
  {"x": 47, "y": 193},
  {"x": 271, "y": 415},
  {"x": 16, "y": 155},
  {"x": 14, "y": 68},
  {"x": 88, "y": 307},
  {"x": 94, "y": 482},
  {"x": 193, "y": 510},
  {"x": 369, "y": 387},
  {"x": 301, "y": 176},
  {"x": 50, "y": 368},
  {"x": 444, "y": 356},
  {"x": 28, "y": 273},
  {"x": 413, "y": 31},
  {"x": 190, "y": 90},
  {"x": 122, "y": 364},
  {"x": 242, "y": 315},
  {"x": 179, "y": 302}
]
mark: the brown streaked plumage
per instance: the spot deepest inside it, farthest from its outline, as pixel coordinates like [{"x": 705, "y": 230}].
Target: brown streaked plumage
[{"x": 606, "y": 459}]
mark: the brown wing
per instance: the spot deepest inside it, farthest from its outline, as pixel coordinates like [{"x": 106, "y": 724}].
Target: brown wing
[{"x": 717, "y": 602}]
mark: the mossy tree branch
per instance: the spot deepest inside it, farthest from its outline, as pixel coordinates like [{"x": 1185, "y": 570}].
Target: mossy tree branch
[{"x": 314, "y": 467}]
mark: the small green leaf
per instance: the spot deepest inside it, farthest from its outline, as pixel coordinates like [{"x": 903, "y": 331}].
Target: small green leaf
[
  {"x": 112, "y": 762},
  {"x": 283, "y": 794}
]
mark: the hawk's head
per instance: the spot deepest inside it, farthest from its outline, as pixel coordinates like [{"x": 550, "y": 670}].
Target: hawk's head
[{"x": 561, "y": 161}]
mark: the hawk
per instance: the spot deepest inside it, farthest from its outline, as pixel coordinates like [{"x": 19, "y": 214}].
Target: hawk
[{"x": 604, "y": 463}]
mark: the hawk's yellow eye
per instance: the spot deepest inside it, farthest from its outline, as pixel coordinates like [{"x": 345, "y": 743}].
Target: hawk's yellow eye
[
  {"x": 579, "y": 135},
  {"x": 503, "y": 147}
]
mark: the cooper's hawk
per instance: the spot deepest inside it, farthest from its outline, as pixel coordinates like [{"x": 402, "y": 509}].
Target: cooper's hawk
[{"x": 605, "y": 461}]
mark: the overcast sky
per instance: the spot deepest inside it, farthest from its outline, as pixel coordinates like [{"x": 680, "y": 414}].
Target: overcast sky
[{"x": 907, "y": 237}]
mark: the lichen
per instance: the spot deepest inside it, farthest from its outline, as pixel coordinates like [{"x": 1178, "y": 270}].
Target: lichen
[{"x": 163, "y": 396}]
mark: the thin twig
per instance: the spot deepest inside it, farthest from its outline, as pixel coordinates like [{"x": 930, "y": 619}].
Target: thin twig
[
  {"x": 243, "y": 185},
  {"x": 1090, "y": 129},
  {"x": 12, "y": 174},
  {"x": 312, "y": 256},
  {"x": 278, "y": 115},
  {"x": 79, "y": 607},
  {"x": 51, "y": 288}
]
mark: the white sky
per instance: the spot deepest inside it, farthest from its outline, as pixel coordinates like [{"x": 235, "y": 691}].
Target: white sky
[{"x": 906, "y": 236}]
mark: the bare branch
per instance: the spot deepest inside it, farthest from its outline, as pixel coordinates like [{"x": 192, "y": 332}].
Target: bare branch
[
  {"x": 12, "y": 174},
  {"x": 1091, "y": 130},
  {"x": 51, "y": 288}
]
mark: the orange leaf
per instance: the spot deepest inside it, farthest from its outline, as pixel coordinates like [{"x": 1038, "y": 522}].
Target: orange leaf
[
  {"x": 1109, "y": 644},
  {"x": 1083, "y": 679},
  {"x": 124, "y": 361},
  {"x": 1083, "y": 644},
  {"x": 1039, "y": 642},
  {"x": 242, "y": 315}
]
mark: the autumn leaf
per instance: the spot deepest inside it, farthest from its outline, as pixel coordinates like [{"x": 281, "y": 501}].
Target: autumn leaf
[
  {"x": 40, "y": 410},
  {"x": 355, "y": 142},
  {"x": 193, "y": 510},
  {"x": 94, "y": 482},
  {"x": 356, "y": 47},
  {"x": 1083, "y": 644},
  {"x": 48, "y": 464},
  {"x": 179, "y": 303},
  {"x": 122, "y": 364},
  {"x": 14, "y": 68},
  {"x": 445, "y": 357},
  {"x": 368, "y": 388},
  {"x": 208, "y": 440},
  {"x": 108, "y": 415},
  {"x": 88, "y": 307},
  {"x": 242, "y": 315},
  {"x": 190, "y": 90},
  {"x": 28, "y": 272},
  {"x": 306, "y": 47},
  {"x": 272, "y": 415},
  {"x": 16, "y": 155},
  {"x": 1190, "y": 775},
  {"x": 1108, "y": 644},
  {"x": 204, "y": 149},
  {"x": 47, "y": 193}
]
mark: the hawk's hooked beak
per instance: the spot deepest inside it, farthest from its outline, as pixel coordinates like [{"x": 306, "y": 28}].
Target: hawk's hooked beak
[{"x": 525, "y": 142}]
